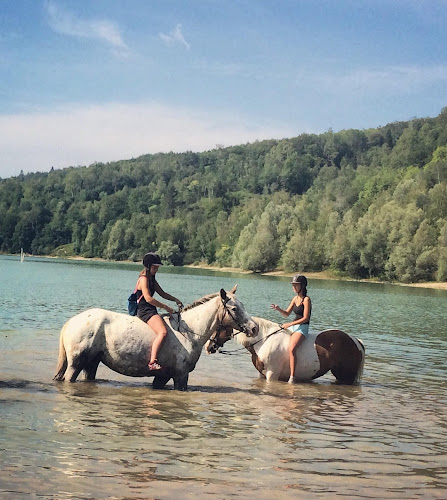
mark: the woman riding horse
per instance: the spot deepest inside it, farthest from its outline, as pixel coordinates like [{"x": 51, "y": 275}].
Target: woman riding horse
[{"x": 330, "y": 350}]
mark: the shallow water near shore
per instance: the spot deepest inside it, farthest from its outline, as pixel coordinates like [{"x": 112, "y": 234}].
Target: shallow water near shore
[{"x": 231, "y": 435}]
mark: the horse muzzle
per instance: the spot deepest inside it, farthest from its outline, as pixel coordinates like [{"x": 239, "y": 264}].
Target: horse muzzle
[
  {"x": 211, "y": 346},
  {"x": 252, "y": 329}
]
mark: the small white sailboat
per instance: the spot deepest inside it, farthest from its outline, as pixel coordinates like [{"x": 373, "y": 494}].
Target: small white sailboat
[{"x": 22, "y": 255}]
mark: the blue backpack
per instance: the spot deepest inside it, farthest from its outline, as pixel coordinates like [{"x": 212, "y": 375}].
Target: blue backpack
[{"x": 132, "y": 301}]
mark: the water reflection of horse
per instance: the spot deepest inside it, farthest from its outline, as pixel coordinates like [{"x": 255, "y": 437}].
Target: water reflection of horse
[
  {"x": 330, "y": 350},
  {"x": 123, "y": 342}
]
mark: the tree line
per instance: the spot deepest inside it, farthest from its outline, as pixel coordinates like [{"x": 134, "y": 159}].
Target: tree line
[{"x": 362, "y": 203}]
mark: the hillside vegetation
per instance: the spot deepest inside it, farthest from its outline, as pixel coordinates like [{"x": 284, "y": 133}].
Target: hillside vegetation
[{"x": 363, "y": 203}]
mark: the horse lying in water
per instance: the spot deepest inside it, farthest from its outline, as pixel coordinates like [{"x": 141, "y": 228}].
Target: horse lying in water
[
  {"x": 330, "y": 350},
  {"x": 123, "y": 342}
]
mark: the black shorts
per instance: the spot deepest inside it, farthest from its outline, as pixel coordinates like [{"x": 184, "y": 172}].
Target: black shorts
[{"x": 146, "y": 313}]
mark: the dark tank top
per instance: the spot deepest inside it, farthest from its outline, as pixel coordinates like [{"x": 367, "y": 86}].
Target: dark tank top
[
  {"x": 142, "y": 304},
  {"x": 298, "y": 311}
]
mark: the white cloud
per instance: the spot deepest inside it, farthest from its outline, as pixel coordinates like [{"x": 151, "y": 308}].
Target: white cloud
[
  {"x": 175, "y": 37},
  {"x": 75, "y": 135},
  {"x": 390, "y": 78},
  {"x": 66, "y": 23}
]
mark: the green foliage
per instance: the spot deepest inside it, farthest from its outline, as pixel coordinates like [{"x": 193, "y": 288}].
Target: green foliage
[
  {"x": 367, "y": 203},
  {"x": 169, "y": 252}
]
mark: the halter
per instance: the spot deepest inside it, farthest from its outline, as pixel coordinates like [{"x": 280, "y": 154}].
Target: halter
[{"x": 241, "y": 328}]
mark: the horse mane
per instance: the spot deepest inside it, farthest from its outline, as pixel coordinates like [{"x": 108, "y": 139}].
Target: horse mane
[
  {"x": 201, "y": 301},
  {"x": 266, "y": 327}
]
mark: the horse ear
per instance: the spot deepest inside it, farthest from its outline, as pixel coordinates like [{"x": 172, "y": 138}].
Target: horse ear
[
  {"x": 223, "y": 296},
  {"x": 233, "y": 290}
]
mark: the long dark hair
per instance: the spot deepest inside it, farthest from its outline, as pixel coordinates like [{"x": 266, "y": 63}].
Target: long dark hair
[
  {"x": 302, "y": 280},
  {"x": 146, "y": 272}
]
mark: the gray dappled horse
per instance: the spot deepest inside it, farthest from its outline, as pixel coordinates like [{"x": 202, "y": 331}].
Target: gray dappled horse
[{"x": 123, "y": 342}]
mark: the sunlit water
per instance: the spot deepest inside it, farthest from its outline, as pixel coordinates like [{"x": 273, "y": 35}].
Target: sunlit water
[{"x": 232, "y": 435}]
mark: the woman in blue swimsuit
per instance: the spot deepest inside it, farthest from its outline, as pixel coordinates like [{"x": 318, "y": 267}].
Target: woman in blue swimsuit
[{"x": 301, "y": 306}]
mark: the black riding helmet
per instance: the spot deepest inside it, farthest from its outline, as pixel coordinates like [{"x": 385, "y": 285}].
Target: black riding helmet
[
  {"x": 299, "y": 278},
  {"x": 150, "y": 259}
]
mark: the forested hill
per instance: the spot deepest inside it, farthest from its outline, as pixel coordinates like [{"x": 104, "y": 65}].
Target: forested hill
[{"x": 366, "y": 203}]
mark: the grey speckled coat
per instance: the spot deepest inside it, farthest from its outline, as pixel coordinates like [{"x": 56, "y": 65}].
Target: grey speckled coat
[{"x": 123, "y": 342}]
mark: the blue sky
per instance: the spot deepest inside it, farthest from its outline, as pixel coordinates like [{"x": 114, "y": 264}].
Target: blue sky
[{"x": 84, "y": 81}]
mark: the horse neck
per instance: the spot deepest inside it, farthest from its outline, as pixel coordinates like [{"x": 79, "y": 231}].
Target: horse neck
[{"x": 202, "y": 320}]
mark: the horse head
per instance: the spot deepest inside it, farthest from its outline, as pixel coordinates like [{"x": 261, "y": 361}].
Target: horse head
[
  {"x": 218, "y": 339},
  {"x": 234, "y": 315}
]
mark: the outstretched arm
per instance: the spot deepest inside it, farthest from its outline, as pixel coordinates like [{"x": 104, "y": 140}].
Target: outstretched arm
[{"x": 284, "y": 312}]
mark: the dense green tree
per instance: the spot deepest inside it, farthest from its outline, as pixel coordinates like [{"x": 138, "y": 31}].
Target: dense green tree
[{"x": 367, "y": 203}]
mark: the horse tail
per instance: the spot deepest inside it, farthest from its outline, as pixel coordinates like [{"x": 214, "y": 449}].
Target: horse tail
[
  {"x": 359, "y": 374},
  {"x": 62, "y": 361}
]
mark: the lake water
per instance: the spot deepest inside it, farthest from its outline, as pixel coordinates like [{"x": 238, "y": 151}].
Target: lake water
[{"x": 232, "y": 435}]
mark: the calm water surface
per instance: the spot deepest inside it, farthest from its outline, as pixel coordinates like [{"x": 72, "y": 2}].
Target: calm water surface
[{"x": 232, "y": 435}]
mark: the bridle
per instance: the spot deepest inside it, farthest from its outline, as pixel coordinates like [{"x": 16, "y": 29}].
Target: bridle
[
  {"x": 241, "y": 328},
  {"x": 213, "y": 340},
  {"x": 216, "y": 348}
]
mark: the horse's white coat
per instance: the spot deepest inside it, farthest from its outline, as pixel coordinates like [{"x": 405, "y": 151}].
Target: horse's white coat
[
  {"x": 273, "y": 352},
  {"x": 123, "y": 342}
]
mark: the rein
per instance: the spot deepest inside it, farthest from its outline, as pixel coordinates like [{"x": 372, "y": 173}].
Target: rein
[
  {"x": 241, "y": 328},
  {"x": 237, "y": 351}
]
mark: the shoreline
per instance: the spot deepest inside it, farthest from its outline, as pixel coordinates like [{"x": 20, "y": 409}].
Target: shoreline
[{"x": 324, "y": 275}]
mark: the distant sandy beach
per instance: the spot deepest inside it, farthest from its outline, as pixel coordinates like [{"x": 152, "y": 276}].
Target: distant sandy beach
[{"x": 324, "y": 275}]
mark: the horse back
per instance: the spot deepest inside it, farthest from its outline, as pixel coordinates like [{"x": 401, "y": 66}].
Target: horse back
[
  {"x": 95, "y": 322},
  {"x": 337, "y": 340}
]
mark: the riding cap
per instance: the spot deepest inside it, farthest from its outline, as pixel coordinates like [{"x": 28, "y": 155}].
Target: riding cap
[
  {"x": 299, "y": 278},
  {"x": 151, "y": 259}
]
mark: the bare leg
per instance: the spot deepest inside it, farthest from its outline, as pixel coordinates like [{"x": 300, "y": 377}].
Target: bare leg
[
  {"x": 295, "y": 340},
  {"x": 158, "y": 325}
]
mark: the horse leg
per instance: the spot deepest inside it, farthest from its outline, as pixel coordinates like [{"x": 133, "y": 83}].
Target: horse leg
[
  {"x": 257, "y": 363},
  {"x": 160, "y": 381},
  {"x": 323, "y": 357},
  {"x": 72, "y": 374},
  {"x": 75, "y": 364},
  {"x": 91, "y": 368},
  {"x": 181, "y": 382},
  {"x": 270, "y": 375}
]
